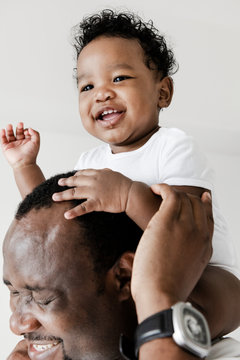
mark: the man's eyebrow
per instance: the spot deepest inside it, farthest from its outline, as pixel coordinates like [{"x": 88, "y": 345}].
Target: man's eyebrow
[
  {"x": 34, "y": 288},
  {"x": 30, "y": 288},
  {"x": 6, "y": 282},
  {"x": 110, "y": 67}
]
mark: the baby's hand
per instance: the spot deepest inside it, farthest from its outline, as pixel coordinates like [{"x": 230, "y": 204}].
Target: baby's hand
[
  {"x": 104, "y": 190},
  {"x": 20, "y": 149}
]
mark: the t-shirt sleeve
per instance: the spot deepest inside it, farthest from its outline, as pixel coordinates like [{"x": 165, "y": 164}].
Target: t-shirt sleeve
[
  {"x": 79, "y": 164},
  {"x": 182, "y": 162}
]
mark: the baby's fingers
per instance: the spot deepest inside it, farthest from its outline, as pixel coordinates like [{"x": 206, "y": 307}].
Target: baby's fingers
[
  {"x": 20, "y": 131},
  {"x": 84, "y": 208},
  {"x": 68, "y": 194},
  {"x": 4, "y": 139},
  {"x": 10, "y": 133}
]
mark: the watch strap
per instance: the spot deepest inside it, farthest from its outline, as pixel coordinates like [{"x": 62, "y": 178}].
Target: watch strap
[{"x": 157, "y": 326}]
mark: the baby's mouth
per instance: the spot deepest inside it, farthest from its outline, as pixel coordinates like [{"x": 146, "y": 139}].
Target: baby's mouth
[
  {"x": 109, "y": 118},
  {"x": 109, "y": 115}
]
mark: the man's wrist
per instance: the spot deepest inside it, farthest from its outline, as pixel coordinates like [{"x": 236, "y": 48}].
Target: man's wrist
[
  {"x": 185, "y": 324},
  {"x": 151, "y": 302}
]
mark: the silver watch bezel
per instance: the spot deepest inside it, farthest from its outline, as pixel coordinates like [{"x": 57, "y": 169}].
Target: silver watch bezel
[{"x": 180, "y": 334}]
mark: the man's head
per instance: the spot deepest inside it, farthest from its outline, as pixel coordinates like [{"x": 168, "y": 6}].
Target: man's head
[
  {"x": 123, "y": 74},
  {"x": 69, "y": 279}
]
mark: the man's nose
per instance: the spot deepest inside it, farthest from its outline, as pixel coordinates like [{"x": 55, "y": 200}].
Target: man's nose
[
  {"x": 104, "y": 93},
  {"x": 23, "y": 323}
]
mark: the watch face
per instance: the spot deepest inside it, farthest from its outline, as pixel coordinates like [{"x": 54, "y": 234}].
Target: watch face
[
  {"x": 194, "y": 326},
  {"x": 190, "y": 329}
]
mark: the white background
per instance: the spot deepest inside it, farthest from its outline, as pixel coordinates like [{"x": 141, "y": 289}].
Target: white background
[{"x": 36, "y": 86}]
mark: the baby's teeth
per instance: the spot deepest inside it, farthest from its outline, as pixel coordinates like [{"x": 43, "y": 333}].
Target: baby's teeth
[{"x": 108, "y": 112}]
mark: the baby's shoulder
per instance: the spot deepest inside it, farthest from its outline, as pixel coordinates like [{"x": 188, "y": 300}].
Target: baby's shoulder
[
  {"x": 172, "y": 133},
  {"x": 92, "y": 158},
  {"x": 169, "y": 138}
]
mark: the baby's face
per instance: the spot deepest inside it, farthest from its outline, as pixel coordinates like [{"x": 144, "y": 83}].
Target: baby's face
[{"x": 119, "y": 96}]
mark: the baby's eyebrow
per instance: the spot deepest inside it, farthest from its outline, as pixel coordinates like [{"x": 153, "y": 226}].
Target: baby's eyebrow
[
  {"x": 111, "y": 67},
  {"x": 120, "y": 66},
  {"x": 82, "y": 76}
]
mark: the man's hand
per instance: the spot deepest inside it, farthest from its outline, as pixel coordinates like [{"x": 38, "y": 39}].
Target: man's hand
[
  {"x": 173, "y": 251},
  {"x": 20, "y": 149},
  {"x": 104, "y": 190},
  {"x": 20, "y": 352}
]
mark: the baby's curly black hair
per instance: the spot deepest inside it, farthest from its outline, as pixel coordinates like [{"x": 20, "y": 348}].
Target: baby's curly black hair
[{"x": 129, "y": 26}]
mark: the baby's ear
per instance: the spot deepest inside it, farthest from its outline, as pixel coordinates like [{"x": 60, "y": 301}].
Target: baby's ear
[
  {"x": 165, "y": 92},
  {"x": 122, "y": 273}
]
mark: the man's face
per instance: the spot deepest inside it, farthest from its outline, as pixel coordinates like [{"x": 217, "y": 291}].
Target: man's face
[
  {"x": 118, "y": 93},
  {"x": 54, "y": 294}
]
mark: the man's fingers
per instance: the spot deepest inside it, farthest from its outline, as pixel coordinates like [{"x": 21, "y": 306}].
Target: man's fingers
[
  {"x": 207, "y": 202},
  {"x": 171, "y": 200},
  {"x": 84, "y": 208}
]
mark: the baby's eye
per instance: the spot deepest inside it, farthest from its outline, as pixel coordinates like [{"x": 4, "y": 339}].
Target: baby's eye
[
  {"x": 121, "y": 78},
  {"x": 87, "y": 88}
]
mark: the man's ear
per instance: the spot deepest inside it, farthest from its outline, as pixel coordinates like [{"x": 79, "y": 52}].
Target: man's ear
[
  {"x": 122, "y": 274},
  {"x": 165, "y": 92}
]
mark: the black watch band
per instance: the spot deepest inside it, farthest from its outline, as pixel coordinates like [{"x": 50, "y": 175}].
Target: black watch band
[{"x": 157, "y": 326}]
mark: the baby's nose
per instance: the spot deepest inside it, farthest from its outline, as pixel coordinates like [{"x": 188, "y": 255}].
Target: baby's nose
[{"x": 104, "y": 94}]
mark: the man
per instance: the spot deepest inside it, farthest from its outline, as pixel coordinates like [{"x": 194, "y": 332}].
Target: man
[{"x": 69, "y": 281}]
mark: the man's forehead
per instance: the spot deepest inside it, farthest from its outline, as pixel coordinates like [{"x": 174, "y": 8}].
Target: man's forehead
[
  {"x": 43, "y": 229},
  {"x": 37, "y": 246}
]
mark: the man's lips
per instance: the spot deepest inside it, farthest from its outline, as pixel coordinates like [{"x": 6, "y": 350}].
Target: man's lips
[{"x": 43, "y": 349}]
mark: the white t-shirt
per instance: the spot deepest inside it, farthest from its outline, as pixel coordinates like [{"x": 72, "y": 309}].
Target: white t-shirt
[
  {"x": 226, "y": 349},
  {"x": 169, "y": 156}
]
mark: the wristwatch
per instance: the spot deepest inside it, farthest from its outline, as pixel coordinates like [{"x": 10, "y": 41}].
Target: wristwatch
[{"x": 187, "y": 326}]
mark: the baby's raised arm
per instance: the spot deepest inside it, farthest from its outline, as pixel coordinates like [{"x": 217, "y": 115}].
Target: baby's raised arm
[{"x": 21, "y": 150}]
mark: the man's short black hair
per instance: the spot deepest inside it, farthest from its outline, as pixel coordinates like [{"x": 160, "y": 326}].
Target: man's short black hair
[
  {"x": 129, "y": 26},
  {"x": 106, "y": 235}
]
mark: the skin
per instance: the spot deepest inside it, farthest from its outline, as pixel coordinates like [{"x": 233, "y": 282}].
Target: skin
[
  {"x": 67, "y": 305},
  {"x": 21, "y": 149},
  {"x": 120, "y": 81},
  {"x": 74, "y": 291}
]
